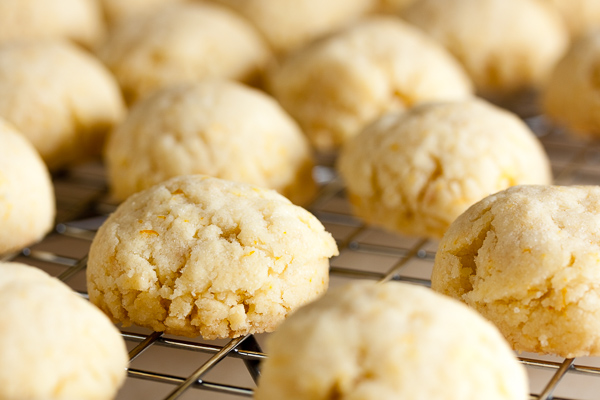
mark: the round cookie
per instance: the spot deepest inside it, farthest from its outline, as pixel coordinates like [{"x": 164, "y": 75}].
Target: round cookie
[
  {"x": 61, "y": 98},
  {"x": 203, "y": 256},
  {"x": 77, "y": 20},
  {"x": 27, "y": 206},
  {"x": 506, "y": 46},
  {"x": 288, "y": 24},
  {"x": 337, "y": 85},
  {"x": 386, "y": 341},
  {"x": 415, "y": 172},
  {"x": 182, "y": 42},
  {"x": 527, "y": 259},
  {"x": 217, "y": 128},
  {"x": 571, "y": 95},
  {"x": 54, "y": 345},
  {"x": 580, "y": 16}
]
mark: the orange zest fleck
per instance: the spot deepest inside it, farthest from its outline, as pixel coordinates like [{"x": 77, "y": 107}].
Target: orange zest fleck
[
  {"x": 140, "y": 221},
  {"x": 161, "y": 217},
  {"x": 178, "y": 191},
  {"x": 149, "y": 232}
]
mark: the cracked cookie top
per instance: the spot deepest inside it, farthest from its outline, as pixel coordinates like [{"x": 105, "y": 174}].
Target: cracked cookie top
[
  {"x": 528, "y": 259},
  {"x": 203, "y": 256},
  {"x": 415, "y": 172},
  {"x": 367, "y": 340}
]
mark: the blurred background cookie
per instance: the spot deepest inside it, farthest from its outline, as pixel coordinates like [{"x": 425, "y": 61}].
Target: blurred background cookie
[
  {"x": 54, "y": 345},
  {"x": 581, "y": 16},
  {"x": 203, "y": 256},
  {"x": 571, "y": 95},
  {"x": 218, "y": 128},
  {"x": 527, "y": 259},
  {"x": 385, "y": 341},
  {"x": 78, "y": 20},
  {"x": 336, "y": 86},
  {"x": 287, "y": 24},
  {"x": 60, "y": 97},
  {"x": 505, "y": 46},
  {"x": 415, "y": 172},
  {"x": 27, "y": 205},
  {"x": 179, "y": 43}
]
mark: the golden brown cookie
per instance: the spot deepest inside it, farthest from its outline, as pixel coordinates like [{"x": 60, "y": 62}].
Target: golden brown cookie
[
  {"x": 218, "y": 128},
  {"x": 203, "y": 256},
  {"x": 60, "y": 97},
  {"x": 54, "y": 345},
  {"x": 180, "y": 43},
  {"x": 27, "y": 205},
  {"x": 339, "y": 84},
  {"x": 506, "y": 46},
  {"x": 415, "y": 172},
  {"x": 386, "y": 341},
  {"x": 527, "y": 259}
]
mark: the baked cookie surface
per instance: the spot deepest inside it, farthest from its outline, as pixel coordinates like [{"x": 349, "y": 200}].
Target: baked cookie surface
[
  {"x": 27, "y": 205},
  {"x": 527, "y": 259},
  {"x": 54, "y": 344},
  {"x": 203, "y": 256},
  {"x": 341, "y": 83},
  {"x": 61, "y": 98},
  {"x": 182, "y": 42},
  {"x": 415, "y": 172},
  {"x": 505, "y": 46},
  {"x": 385, "y": 341},
  {"x": 570, "y": 96},
  {"x": 218, "y": 128}
]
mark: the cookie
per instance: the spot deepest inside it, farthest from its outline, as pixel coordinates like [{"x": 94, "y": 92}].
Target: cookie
[
  {"x": 182, "y": 42},
  {"x": 218, "y": 128},
  {"x": 338, "y": 85},
  {"x": 54, "y": 344},
  {"x": 288, "y": 24},
  {"x": 203, "y": 256},
  {"x": 506, "y": 46},
  {"x": 570, "y": 97},
  {"x": 527, "y": 259},
  {"x": 27, "y": 206},
  {"x": 580, "y": 16},
  {"x": 415, "y": 172},
  {"x": 77, "y": 20},
  {"x": 386, "y": 341},
  {"x": 61, "y": 98}
]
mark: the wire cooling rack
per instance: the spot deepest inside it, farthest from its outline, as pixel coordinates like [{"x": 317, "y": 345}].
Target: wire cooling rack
[{"x": 168, "y": 367}]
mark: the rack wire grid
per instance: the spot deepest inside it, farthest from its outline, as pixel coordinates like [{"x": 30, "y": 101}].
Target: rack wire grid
[{"x": 168, "y": 367}]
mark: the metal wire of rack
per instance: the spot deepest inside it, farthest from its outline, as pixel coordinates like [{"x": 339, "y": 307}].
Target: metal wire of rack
[{"x": 179, "y": 366}]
